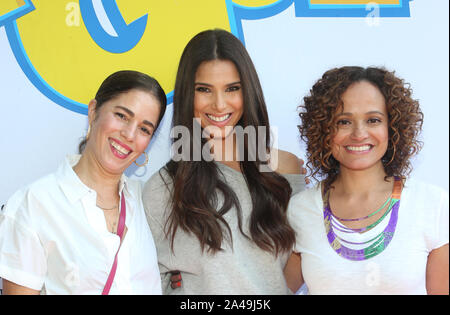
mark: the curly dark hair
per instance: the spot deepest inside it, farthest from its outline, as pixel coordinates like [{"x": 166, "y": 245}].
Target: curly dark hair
[{"x": 318, "y": 123}]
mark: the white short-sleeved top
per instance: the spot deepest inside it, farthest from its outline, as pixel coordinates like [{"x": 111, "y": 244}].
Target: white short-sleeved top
[
  {"x": 423, "y": 225},
  {"x": 54, "y": 238}
]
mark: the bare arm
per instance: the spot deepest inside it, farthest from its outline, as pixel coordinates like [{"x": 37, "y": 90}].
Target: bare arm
[
  {"x": 10, "y": 288},
  {"x": 293, "y": 272},
  {"x": 437, "y": 271}
]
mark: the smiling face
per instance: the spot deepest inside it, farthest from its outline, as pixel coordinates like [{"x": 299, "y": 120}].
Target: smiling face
[
  {"x": 362, "y": 134},
  {"x": 122, "y": 128},
  {"x": 218, "y": 99}
]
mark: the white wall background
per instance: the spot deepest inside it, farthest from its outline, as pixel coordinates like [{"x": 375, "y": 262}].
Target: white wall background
[{"x": 290, "y": 54}]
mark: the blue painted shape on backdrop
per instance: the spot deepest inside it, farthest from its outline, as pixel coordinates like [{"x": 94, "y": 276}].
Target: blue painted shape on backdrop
[
  {"x": 128, "y": 35},
  {"x": 304, "y": 8},
  {"x": 17, "y": 13}
]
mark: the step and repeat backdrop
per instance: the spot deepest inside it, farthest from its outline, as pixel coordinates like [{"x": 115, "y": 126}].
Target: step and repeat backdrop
[{"x": 55, "y": 53}]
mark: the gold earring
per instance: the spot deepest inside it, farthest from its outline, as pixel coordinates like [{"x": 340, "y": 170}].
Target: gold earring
[
  {"x": 88, "y": 132},
  {"x": 146, "y": 160}
]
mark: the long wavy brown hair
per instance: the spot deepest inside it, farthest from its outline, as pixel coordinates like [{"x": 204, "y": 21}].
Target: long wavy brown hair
[
  {"x": 196, "y": 184},
  {"x": 324, "y": 103}
]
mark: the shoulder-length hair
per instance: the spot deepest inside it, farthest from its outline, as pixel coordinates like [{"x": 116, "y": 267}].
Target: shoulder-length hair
[
  {"x": 324, "y": 102},
  {"x": 196, "y": 184}
]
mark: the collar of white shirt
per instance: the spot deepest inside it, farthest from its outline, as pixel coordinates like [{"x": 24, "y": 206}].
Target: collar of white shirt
[{"x": 74, "y": 189}]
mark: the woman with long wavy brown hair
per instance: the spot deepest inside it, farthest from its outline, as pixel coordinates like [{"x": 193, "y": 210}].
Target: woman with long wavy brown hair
[
  {"x": 220, "y": 219},
  {"x": 366, "y": 228}
]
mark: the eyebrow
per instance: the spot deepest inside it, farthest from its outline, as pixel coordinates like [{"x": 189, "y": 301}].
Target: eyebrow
[
  {"x": 207, "y": 84},
  {"x": 129, "y": 112},
  {"x": 368, "y": 113}
]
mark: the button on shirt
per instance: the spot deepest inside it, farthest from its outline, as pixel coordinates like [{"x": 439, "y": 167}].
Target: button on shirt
[{"x": 54, "y": 238}]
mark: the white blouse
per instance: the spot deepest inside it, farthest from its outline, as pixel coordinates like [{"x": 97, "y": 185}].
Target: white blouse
[{"x": 54, "y": 238}]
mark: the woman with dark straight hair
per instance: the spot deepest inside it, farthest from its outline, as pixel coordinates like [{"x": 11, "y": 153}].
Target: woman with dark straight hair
[
  {"x": 82, "y": 229},
  {"x": 218, "y": 208}
]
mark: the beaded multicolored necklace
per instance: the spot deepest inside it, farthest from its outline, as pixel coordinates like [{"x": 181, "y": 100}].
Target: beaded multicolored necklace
[{"x": 377, "y": 243}]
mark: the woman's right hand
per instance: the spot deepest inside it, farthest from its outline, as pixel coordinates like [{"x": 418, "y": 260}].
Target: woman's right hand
[{"x": 175, "y": 279}]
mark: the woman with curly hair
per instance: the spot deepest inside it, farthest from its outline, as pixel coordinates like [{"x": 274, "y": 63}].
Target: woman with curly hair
[{"x": 366, "y": 228}]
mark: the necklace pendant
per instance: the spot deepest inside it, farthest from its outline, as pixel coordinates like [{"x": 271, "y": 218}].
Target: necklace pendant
[{"x": 374, "y": 246}]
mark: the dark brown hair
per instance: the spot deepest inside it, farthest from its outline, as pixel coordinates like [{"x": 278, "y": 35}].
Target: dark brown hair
[
  {"x": 196, "y": 184},
  {"x": 324, "y": 102},
  {"x": 122, "y": 82}
]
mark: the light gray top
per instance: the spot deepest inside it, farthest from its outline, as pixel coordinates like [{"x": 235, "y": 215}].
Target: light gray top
[{"x": 242, "y": 268}]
